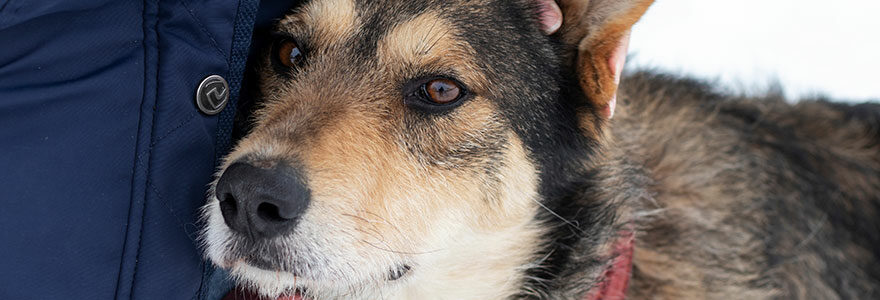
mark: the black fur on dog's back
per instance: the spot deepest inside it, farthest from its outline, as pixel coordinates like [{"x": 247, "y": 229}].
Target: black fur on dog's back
[{"x": 752, "y": 197}]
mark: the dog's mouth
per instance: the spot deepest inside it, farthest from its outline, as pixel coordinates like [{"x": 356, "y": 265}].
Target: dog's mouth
[
  {"x": 282, "y": 286},
  {"x": 245, "y": 294},
  {"x": 254, "y": 291},
  {"x": 265, "y": 265}
]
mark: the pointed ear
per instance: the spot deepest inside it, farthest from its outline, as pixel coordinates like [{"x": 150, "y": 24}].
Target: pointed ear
[{"x": 598, "y": 31}]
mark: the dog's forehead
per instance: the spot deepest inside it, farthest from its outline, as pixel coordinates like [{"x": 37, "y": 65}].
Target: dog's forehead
[
  {"x": 427, "y": 36},
  {"x": 339, "y": 18},
  {"x": 364, "y": 22}
]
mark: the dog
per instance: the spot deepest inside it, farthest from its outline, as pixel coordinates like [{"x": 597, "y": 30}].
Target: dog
[{"x": 484, "y": 149}]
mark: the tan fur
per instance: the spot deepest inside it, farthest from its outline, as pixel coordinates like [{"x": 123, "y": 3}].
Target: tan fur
[
  {"x": 430, "y": 41},
  {"x": 488, "y": 260},
  {"x": 333, "y": 19},
  {"x": 597, "y": 28}
]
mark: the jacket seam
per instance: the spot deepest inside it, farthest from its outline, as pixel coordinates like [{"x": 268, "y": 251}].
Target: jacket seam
[
  {"x": 149, "y": 150},
  {"x": 125, "y": 257},
  {"x": 204, "y": 30}
]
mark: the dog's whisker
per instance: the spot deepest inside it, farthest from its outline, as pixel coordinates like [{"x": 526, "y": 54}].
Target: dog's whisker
[
  {"x": 564, "y": 220},
  {"x": 383, "y": 241},
  {"x": 385, "y": 220},
  {"x": 398, "y": 252},
  {"x": 373, "y": 227},
  {"x": 436, "y": 41}
]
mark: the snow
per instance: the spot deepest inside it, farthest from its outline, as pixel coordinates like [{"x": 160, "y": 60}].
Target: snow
[{"x": 810, "y": 47}]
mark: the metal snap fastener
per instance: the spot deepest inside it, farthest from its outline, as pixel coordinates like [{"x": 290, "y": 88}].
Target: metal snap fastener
[{"x": 212, "y": 95}]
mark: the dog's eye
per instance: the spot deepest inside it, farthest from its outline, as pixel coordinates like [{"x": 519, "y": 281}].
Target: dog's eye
[
  {"x": 435, "y": 94},
  {"x": 289, "y": 54},
  {"x": 442, "y": 91}
]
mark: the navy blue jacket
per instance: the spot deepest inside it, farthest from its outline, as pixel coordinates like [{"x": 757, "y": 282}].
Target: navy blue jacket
[{"x": 104, "y": 156}]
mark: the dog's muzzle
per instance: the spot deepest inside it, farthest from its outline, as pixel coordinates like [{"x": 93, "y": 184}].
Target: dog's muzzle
[{"x": 262, "y": 201}]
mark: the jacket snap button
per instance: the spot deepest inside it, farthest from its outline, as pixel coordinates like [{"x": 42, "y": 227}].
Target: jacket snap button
[{"x": 212, "y": 95}]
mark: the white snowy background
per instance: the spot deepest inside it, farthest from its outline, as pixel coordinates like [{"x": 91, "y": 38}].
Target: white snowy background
[{"x": 810, "y": 47}]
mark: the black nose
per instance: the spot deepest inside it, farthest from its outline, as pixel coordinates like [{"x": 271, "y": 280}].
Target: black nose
[{"x": 262, "y": 202}]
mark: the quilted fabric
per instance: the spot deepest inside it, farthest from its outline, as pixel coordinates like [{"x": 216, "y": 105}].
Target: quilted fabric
[{"x": 104, "y": 157}]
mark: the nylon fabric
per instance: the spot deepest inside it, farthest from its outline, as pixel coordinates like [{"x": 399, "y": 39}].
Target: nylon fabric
[{"x": 104, "y": 157}]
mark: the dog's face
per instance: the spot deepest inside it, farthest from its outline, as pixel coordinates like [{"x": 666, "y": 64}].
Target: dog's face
[{"x": 401, "y": 145}]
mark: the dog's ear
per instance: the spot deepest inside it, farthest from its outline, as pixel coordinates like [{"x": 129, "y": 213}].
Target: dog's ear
[{"x": 598, "y": 32}]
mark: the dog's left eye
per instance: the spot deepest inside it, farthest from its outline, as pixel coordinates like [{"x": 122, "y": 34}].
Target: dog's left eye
[
  {"x": 435, "y": 94},
  {"x": 442, "y": 90}
]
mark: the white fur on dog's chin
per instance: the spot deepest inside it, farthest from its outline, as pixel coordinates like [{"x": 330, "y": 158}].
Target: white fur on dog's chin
[{"x": 358, "y": 283}]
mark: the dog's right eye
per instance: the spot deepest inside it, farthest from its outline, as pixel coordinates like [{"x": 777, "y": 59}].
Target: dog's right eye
[{"x": 289, "y": 53}]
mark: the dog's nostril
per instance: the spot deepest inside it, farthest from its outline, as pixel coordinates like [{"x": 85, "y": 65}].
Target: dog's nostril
[
  {"x": 228, "y": 203},
  {"x": 228, "y": 207},
  {"x": 270, "y": 212}
]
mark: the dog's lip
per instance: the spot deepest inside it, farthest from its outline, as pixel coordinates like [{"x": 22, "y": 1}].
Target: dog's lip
[{"x": 263, "y": 265}]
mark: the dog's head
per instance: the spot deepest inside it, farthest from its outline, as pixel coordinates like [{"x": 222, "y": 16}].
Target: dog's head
[{"x": 406, "y": 147}]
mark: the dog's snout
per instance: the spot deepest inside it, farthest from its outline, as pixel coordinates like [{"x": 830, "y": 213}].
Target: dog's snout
[{"x": 262, "y": 202}]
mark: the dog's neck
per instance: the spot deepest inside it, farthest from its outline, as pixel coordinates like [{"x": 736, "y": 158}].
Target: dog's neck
[
  {"x": 589, "y": 248},
  {"x": 615, "y": 280},
  {"x": 489, "y": 265},
  {"x": 497, "y": 265}
]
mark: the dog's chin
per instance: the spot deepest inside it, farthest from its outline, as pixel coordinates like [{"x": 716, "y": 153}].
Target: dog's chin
[{"x": 266, "y": 283}]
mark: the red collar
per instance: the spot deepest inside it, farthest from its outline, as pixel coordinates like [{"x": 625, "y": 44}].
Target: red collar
[{"x": 616, "y": 277}]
